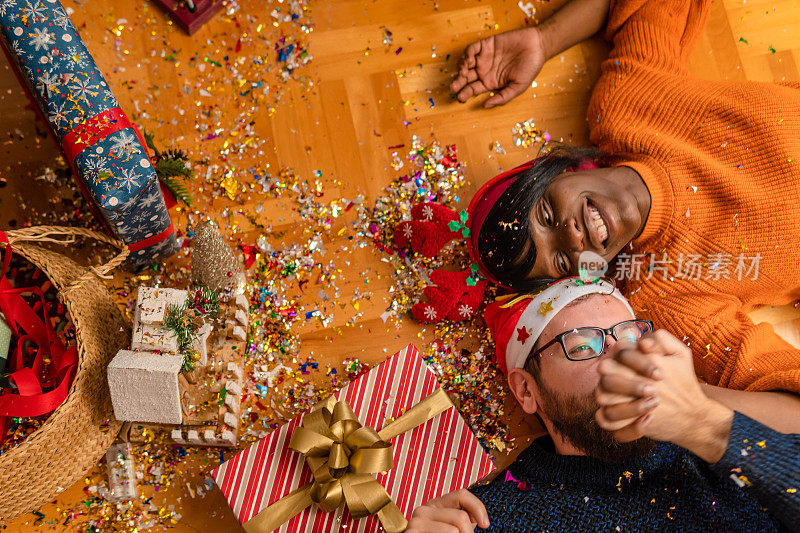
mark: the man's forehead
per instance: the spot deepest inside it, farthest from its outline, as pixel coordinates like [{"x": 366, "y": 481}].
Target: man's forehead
[{"x": 593, "y": 310}]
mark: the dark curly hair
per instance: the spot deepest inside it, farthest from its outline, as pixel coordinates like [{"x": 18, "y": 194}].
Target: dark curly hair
[{"x": 510, "y": 255}]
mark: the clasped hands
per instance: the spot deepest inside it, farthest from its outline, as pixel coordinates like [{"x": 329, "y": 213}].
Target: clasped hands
[{"x": 650, "y": 389}]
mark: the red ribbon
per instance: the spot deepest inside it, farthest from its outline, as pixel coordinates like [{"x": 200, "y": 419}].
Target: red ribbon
[
  {"x": 169, "y": 198},
  {"x": 150, "y": 241},
  {"x": 95, "y": 129},
  {"x": 29, "y": 328}
]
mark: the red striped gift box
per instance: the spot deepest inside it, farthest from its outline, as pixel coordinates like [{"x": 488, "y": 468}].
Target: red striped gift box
[{"x": 437, "y": 457}]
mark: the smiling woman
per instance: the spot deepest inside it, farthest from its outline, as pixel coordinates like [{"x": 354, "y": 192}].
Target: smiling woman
[
  {"x": 696, "y": 203},
  {"x": 557, "y": 208}
]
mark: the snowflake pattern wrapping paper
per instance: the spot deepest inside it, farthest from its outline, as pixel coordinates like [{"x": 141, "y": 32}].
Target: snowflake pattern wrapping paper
[{"x": 101, "y": 145}]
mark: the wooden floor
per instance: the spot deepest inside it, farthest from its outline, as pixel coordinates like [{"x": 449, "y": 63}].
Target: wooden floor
[{"x": 358, "y": 98}]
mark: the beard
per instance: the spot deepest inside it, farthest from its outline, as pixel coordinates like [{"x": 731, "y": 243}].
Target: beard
[{"x": 573, "y": 417}]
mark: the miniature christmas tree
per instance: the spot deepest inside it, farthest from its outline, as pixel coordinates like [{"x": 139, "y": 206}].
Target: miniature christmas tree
[{"x": 214, "y": 264}]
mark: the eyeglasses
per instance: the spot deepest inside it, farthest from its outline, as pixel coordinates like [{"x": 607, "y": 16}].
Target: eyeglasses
[{"x": 580, "y": 344}]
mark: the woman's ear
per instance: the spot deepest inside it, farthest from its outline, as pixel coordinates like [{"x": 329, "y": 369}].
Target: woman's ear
[{"x": 523, "y": 385}]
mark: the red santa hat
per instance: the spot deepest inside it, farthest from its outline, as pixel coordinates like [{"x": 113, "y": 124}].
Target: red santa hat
[{"x": 517, "y": 321}]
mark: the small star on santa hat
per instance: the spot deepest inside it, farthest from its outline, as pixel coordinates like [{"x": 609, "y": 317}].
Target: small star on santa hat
[
  {"x": 545, "y": 307},
  {"x": 522, "y": 334}
]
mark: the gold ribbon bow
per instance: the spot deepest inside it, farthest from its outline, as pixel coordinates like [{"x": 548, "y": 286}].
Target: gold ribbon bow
[{"x": 343, "y": 455}]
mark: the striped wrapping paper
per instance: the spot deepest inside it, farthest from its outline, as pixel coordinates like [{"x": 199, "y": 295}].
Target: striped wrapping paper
[{"x": 435, "y": 458}]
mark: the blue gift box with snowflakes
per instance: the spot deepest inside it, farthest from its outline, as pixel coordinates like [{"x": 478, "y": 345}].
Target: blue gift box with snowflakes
[{"x": 104, "y": 149}]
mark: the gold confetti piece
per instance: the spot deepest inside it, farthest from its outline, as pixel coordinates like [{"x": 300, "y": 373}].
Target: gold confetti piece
[{"x": 230, "y": 185}]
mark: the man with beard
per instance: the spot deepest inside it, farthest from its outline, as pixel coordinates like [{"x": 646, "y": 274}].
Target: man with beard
[{"x": 577, "y": 357}]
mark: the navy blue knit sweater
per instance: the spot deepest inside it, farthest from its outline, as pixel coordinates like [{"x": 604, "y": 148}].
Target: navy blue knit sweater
[{"x": 752, "y": 488}]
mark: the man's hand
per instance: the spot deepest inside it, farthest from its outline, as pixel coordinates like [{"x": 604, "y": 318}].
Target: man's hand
[
  {"x": 456, "y": 512},
  {"x": 506, "y": 63},
  {"x": 664, "y": 399},
  {"x": 625, "y": 392}
]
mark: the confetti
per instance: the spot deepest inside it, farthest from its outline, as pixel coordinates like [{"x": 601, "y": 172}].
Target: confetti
[
  {"x": 468, "y": 374},
  {"x": 527, "y": 8},
  {"x": 387, "y": 36},
  {"x": 250, "y": 68},
  {"x": 526, "y": 134},
  {"x": 496, "y": 148}
]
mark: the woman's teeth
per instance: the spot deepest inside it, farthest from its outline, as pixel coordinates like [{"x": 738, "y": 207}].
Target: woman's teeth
[{"x": 602, "y": 230}]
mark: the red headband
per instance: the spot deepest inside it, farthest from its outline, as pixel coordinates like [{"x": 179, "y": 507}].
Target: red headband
[{"x": 487, "y": 196}]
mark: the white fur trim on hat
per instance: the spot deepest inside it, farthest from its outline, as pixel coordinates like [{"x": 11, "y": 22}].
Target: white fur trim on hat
[{"x": 545, "y": 306}]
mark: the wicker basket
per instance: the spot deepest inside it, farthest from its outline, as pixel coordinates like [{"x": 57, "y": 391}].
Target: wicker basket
[{"x": 79, "y": 431}]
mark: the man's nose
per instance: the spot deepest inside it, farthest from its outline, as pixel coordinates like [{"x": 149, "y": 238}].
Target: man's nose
[{"x": 610, "y": 341}]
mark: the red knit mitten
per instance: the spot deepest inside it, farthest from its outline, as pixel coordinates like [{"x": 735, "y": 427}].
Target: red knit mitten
[
  {"x": 426, "y": 313},
  {"x": 430, "y": 212},
  {"x": 441, "y": 299},
  {"x": 452, "y": 298},
  {"x": 426, "y": 238},
  {"x": 429, "y": 231},
  {"x": 468, "y": 303}
]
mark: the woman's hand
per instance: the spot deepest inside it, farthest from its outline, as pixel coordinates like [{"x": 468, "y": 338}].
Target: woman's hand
[
  {"x": 664, "y": 398},
  {"x": 506, "y": 64},
  {"x": 457, "y": 512}
]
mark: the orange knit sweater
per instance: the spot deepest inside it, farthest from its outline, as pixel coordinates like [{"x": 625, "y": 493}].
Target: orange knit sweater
[{"x": 722, "y": 162}]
